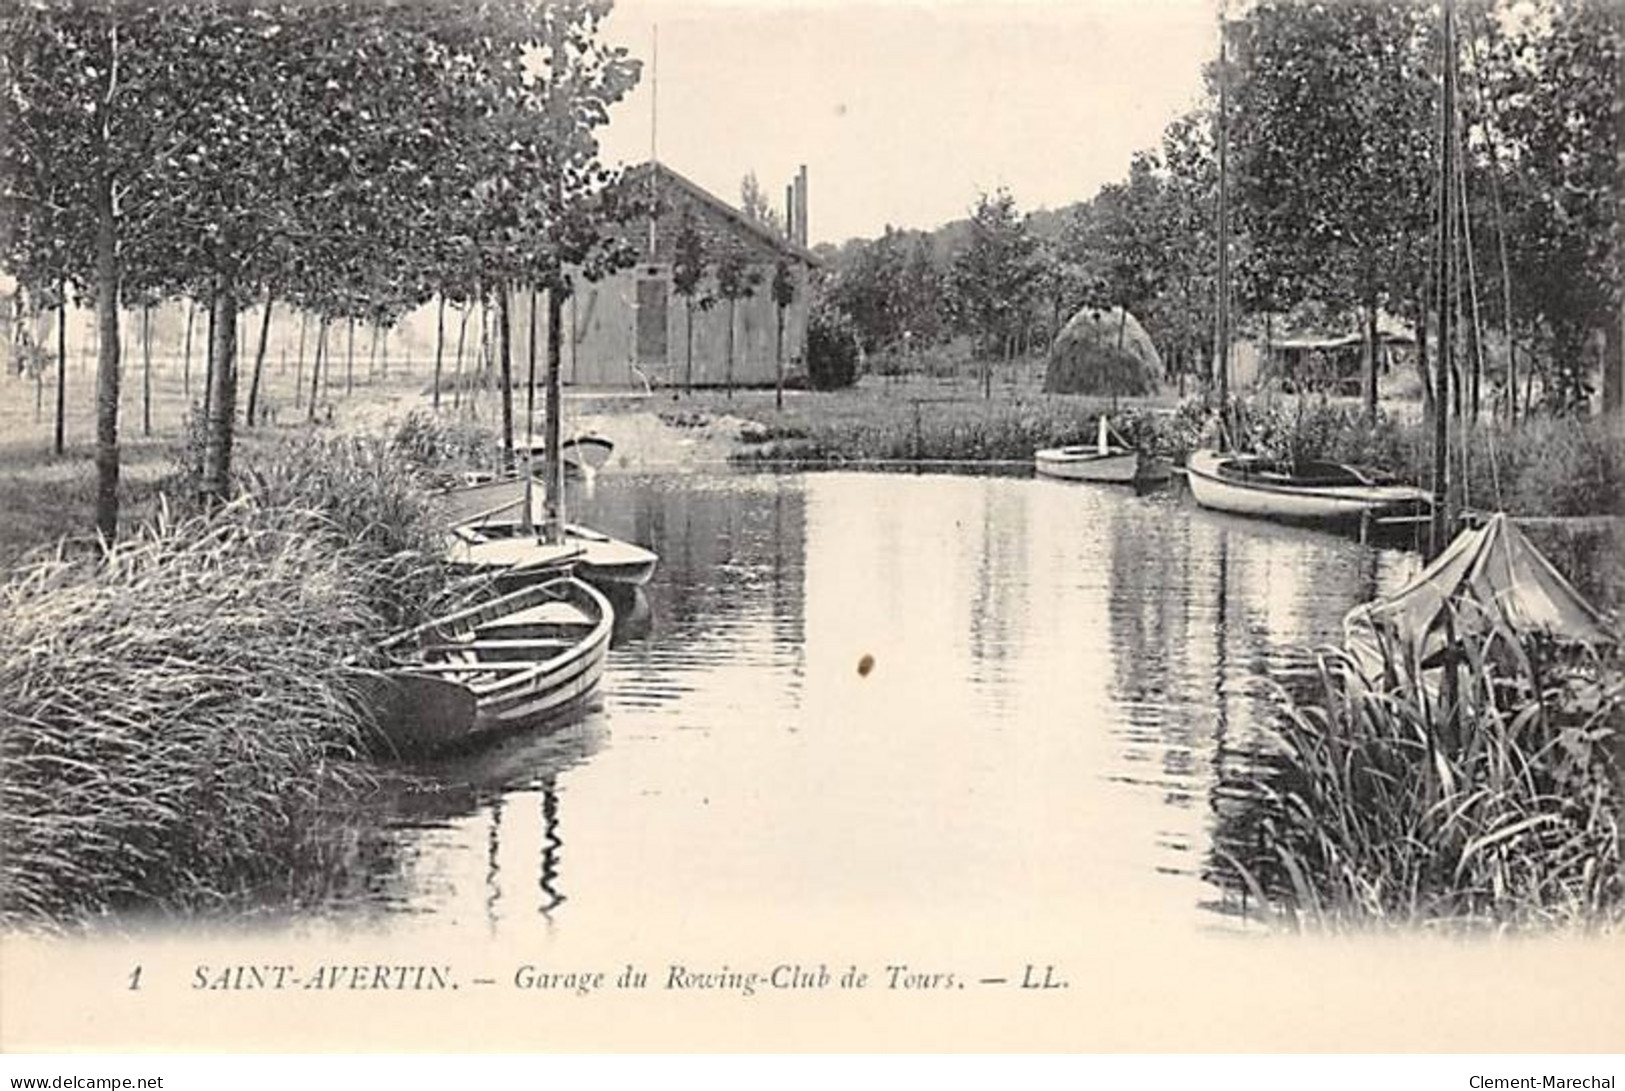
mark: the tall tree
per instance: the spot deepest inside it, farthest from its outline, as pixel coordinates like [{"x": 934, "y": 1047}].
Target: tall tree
[
  {"x": 754, "y": 203},
  {"x": 1332, "y": 163},
  {"x": 992, "y": 278},
  {"x": 687, "y": 273},
  {"x": 784, "y": 294}
]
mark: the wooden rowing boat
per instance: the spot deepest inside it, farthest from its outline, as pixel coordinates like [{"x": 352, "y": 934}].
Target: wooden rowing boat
[
  {"x": 1322, "y": 493},
  {"x": 523, "y": 659},
  {"x": 518, "y": 554}
]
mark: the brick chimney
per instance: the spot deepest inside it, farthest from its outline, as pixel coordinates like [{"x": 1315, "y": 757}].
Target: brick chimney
[{"x": 801, "y": 205}]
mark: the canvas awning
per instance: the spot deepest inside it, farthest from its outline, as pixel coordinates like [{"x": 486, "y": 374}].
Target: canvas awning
[{"x": 1486, "y": 575}]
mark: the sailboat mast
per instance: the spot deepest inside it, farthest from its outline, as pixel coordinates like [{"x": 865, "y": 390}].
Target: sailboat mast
[
  {"x": 1447, "y": 217},
  {"x": 654, "y": 134},
  {"x": 553, "y": 512},
  {"x": 1222, "y": 349},
  {"x": 527, "y": 519}
]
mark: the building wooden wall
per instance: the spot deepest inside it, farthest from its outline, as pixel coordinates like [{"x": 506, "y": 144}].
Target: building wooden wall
[{"x": 631, "y": 329}]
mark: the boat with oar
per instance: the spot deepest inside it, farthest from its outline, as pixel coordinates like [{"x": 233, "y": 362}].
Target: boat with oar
[
  {"x": 1112, "y": 460},
  {"x": 1318, "y": 493},
  {"x": 518, "y": 661}
]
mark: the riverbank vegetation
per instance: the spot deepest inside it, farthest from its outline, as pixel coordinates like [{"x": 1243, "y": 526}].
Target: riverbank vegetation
[
  {"x": 175, "y": 718},
  {"x": 178, "y": 715},
  {"x": 1489, "y": 801},
  {"x": 1549, "y": 466}
]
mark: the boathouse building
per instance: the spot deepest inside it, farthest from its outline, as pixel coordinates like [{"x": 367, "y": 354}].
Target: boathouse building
[{"x": 630, "y": 330}]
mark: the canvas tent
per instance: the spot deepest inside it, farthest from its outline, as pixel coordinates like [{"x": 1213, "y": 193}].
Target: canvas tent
[
  {"x": 1103, "y": 352},
  {"x": 1489, "y": 575}
]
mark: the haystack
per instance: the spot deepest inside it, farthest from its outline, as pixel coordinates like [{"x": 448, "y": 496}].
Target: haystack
[{"x": 1103, "y": 352}]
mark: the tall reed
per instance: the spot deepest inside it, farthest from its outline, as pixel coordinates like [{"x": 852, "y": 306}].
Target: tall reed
[
  {"x": 173, "y": 712},
  {"x": 1493, "y": 800},
  {"x": 362, "y": 492}
]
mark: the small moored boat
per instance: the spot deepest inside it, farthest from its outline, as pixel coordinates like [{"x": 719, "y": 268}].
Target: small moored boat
[
  {"x": 588, "y": 452},
  {"x": 1106, "y": 462},
  {"x": 1325, "y": 493},
  {"x": 517, "y": 661},
  {"x": 517, "y": 554}
]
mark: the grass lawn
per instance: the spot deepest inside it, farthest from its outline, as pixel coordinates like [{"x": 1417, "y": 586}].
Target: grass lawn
[
  {"x": 44, "y": 497},
  {"x": 913, "y": 417}
]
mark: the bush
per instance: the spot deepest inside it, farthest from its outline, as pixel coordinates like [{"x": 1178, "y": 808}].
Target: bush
[
  {"x": 832, "y": 350},
  {"x": 441, "y": 446}
]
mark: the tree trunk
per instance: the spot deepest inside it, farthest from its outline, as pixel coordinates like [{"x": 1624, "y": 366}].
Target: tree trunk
[
  {"x": 505, "y": 362},
  {"x": 107, "y": 364},
  {"x": 223, "y": 410},
  {"x": 61, "y": 366},
  {"x": 1371, "y": 358},
  {"x": 316, "y": 366},
  {"x": 462, "y": 335},
  {"x": 778, "y": 364},
  {"x": 1613, "y": 358},
  {"x": 372, "y": 354},
  {"x": 1422, "y": 350},
  {"x": 349, "y": 360},
  {"x": 299, "y": 360},
  {"x": 1613, "y": 361},
  {"x": 688, "y": 365},
  {"x": 259, "y": 359},
  {"x": 553, "y": 512},
  {"x": 439, "y": 347},
  {"x": 530, "y": 387},
  {"x": 146, "y": 369},
  {"x": 732, "y": 315},
  {"x": 186, "y": 352},
  {"x": 1445, "y": 221},
  {"x": 208, "y": 357}
]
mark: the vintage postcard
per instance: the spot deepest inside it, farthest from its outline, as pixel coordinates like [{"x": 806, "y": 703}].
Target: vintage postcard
[{"x": 829, "y": 526}]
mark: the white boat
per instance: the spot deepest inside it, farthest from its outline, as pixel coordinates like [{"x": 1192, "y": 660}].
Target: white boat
[
  {"x": 515, "y": 662},
  {"x": 1106, "y": 462},
  {"x": 1310, "y": 492},
  {"x": 517, "y": 553},
  {"x": 587, "y": 452}
]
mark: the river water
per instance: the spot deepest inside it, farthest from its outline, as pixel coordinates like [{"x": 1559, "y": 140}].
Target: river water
[{"x": 1056, "y": 676}]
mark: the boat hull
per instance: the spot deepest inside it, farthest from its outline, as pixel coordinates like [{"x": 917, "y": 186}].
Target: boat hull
[
  {"x": 505, "y": 549},
  {"x": 1327, "y": 504},
  {"x": 1087, "y": 464}
]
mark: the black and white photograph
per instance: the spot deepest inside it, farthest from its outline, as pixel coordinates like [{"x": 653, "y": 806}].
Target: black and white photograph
[{"x": 813, "y": 526}]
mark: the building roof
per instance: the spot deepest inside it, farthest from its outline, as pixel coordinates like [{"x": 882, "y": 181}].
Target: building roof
[{"x": 722, "y": 208}]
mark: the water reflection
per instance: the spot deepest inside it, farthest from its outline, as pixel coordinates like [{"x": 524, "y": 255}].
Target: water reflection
[{"x": 1061, "y": 676}]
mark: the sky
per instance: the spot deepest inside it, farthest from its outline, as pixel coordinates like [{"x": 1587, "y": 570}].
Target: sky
[{"x": 905, "y": 110}]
